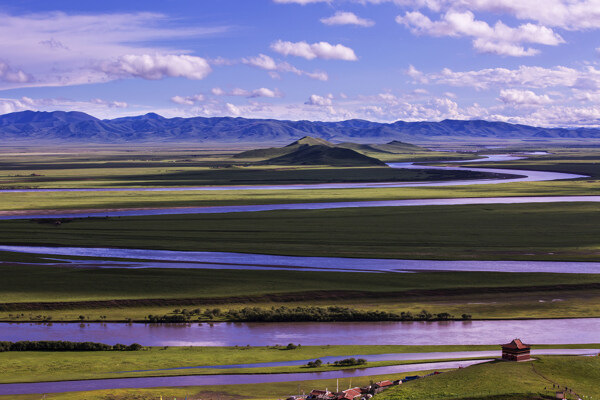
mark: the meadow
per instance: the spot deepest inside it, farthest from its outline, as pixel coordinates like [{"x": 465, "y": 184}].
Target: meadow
[
  {"x": 507, "y": 381},
  {"x": 495, "y": 380},
  {"x": 554, "y": 231},
  {"x": 44, "y": 366},
  {"x": 39, "y": 293}
]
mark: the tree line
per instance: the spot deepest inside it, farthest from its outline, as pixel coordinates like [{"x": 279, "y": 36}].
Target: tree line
[
  {"x": 299, "y": 314},
  {"x": 65, "y": 346}
]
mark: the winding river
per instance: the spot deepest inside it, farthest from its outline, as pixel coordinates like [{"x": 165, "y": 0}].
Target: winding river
[
  {"x": 565, "y": 331},
  {"x": 519, "y": 176}
]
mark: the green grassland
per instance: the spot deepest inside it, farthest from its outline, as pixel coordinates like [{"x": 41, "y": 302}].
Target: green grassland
[
  {"x": 496, "y": 380},
  {"x": 59, "y": 366},
  {"x": 122, "y": 294},
  {"x": 14, "y": 202},
  {"x": 554, "y": 231},
  {"x": 263, "y": 391},
  {"x": 188, "y": 169},
  {"x": 198, "y": 167},
  {"x": 507, "y": 381},
  {"x": 561, "y": 231}
]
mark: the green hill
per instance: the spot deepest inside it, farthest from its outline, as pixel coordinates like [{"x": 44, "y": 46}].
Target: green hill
[
  {"x": 502, "y": 380},
  {"x": 312, "y": 151},
  {"x": 325, "y": 155},
  {"x": 274, "y": 152}
]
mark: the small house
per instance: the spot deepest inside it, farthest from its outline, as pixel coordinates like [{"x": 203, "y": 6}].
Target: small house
[{"x": 516, "y": 351}]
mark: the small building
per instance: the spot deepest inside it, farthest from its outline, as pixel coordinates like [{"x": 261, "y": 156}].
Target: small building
[
  {"x": 516, "y": 351},
  {"x": 349, "y": 394}
]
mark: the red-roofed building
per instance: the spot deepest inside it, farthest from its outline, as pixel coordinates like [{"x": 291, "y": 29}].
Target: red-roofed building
[
  {"x": 516, "y": 351},
  {"x": 349, "y": 394}
]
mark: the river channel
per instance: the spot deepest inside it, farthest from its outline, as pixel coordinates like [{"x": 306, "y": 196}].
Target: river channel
[
  {"x": 223, "y": 260},
  {"x": 539, "y": 331}
]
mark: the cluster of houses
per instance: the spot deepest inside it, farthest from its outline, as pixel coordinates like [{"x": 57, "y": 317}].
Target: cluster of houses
[
  {"x": 356, "y": 393},
  {"x": 353, "y": 393}
]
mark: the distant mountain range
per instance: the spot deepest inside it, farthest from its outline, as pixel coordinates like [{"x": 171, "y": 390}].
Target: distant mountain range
[{"x": 77, "y": 127}]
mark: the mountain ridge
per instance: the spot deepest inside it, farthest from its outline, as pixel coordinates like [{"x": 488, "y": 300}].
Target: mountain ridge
[{"x": 78, "y": 127}]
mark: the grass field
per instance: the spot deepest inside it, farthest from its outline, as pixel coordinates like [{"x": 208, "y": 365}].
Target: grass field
[
  {"x": 559, "y": 231},
  {"x": 121, "y": 294},
  {"x": 507, "y": 381},
  {"x": 268, "y": 391},
  {"x": 497, "y": 381},
  {"x": 189, "y": 169},
  {"x": 196, "y": 167},
  {"x": 57, "y": 366}
]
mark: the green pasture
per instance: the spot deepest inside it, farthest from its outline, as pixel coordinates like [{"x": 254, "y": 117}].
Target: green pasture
[
  {"x": 140, "y": 292},
  {"x": 36, "y": 366},
  {"x": 495, "y": 380},
  {"x": 507, "y": 381},
  {"x": 553, "y": 231},
  {"x": 263, "y": 391}
]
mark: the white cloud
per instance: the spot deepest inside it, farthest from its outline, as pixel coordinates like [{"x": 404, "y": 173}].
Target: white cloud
[
  {"x": 264, "y": 92},
  {"x": 567, "y": 14},
  {"x": 499, "y": 39},
  {"x": 261, "y": 92},
  {"x": 503, "y": 48},
  {"x": 267, "y": 63},
  {"x": 524, "y": 76},
  {"x": 157, "y": 66},
  {"x": 347, "y": 18},
  {"x": 316, "y": 100},
  {"x": 187, "y": 100},
  {"x": 261, "y": 61},
  {"x": 322, "y": 50},
  {"x": 523, "y": 97},
  {"x": 109, "y": 103},
  {"x": 232, "y": 109},
  {"x": 66, "y": 49},
  {"x": 302, "y": 2},
  {"x": 8, "y": 74}
]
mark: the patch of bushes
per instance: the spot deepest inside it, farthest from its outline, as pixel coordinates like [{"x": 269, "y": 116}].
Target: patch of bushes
[{"x": 346, "y": 362}]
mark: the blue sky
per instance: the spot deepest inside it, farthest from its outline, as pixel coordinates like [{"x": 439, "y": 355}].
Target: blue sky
[{"x": 525, "y": 61}]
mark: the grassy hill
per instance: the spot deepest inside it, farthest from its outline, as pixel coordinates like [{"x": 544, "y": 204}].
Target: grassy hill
[
  {"x": 507, "y": 381},
  {"x": 311, "y": 151},
  {"x": 273, "y": 152},
  {"x": 325, "y": 155}
]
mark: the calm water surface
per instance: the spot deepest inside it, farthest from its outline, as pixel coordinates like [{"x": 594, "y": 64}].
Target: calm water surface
[{"x": 541, "y": 331}]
